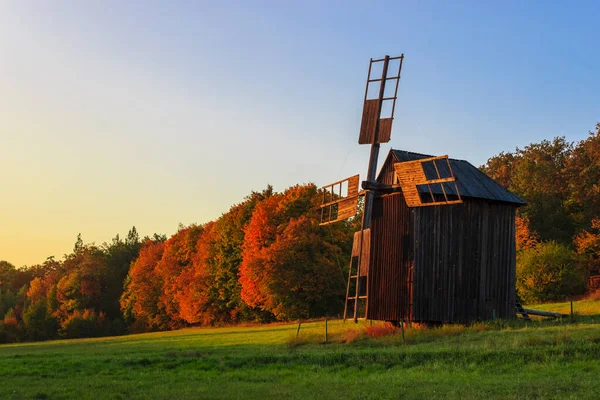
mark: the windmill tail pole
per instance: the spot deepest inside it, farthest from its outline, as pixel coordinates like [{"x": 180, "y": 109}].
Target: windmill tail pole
[
  {"x": 548, "y": 314},
  {"x": 374, "y": 156}
]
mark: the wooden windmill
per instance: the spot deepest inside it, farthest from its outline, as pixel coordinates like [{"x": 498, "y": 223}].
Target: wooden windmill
[{"x": 414, "y": 180}]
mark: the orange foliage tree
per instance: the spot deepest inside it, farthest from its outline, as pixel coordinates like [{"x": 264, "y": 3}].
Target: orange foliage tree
[
  {"x": 588, "y": 246},
  {"x": 143, "y": 287},
  {"x": 526, "y": 239},
  {"x": 193, "y": 281},
  {"x": 291, "y": 266},
  {"x": 582, "y": 177},
  {"x": 177, "y": 257},
  {"x": 82, "y": 286},
  {"x": 225, "y": 301}
]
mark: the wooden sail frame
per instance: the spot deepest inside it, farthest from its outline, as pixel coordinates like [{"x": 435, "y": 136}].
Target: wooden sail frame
[
  {"x": 340, "y": 200},
  {"x": 411, "y": 175}
]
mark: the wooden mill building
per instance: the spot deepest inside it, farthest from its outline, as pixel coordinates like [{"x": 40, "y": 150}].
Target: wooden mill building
[
  {"x": 450, "y": 263},
  {"x": 437, "y": 237}
]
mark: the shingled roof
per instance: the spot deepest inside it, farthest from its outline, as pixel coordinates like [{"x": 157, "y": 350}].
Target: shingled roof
[{"x": 470, "y": 180}]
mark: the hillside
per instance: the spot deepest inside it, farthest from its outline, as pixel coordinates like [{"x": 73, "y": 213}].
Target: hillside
[{"x": 490, "y": 360}]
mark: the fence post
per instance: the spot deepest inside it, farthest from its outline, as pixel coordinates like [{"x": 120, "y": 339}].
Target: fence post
[
  {"x": 402, "y": 327},
  {"x": 571, "y": 311},
  {"x": 298, "y": 331}
]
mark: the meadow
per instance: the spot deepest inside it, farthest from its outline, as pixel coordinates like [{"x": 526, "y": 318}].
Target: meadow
[{"x": 496, "y": 359}]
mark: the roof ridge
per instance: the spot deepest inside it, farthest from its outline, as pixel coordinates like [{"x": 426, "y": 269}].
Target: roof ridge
[{"x": 429, "y": 155}]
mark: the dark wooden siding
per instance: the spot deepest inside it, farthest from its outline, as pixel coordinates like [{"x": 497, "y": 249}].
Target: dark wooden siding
[
  {"x": 386, "y": 175},
  {"x": 464, "y": 262},
  {"x": 391, "y": 255}
]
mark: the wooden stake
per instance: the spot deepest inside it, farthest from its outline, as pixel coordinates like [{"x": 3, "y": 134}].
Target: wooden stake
[
  {"x": 298, "y": 331},
  {"x": 402, "y": 328},
  {"x": 571, "y": 311}
]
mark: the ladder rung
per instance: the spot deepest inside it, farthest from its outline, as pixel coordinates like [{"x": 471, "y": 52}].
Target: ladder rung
[
  {"x": 387, "y": 79},
  {"x": 353, "y": 276},
  {"x": 391, "y": 58},
  {"x": 359, "y": 297}
]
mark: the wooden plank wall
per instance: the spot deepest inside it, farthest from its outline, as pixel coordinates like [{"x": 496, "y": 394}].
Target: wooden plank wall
[
  {"x": 465, "y": 261},
  {"x": 389, "y": 276},
  {"x": 365, "y": 258},
  {"x": 387, "y": 173}
]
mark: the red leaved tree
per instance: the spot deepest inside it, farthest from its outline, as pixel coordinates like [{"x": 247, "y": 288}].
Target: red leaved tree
[
  {"x": 177, "y": 257},
  {"x": 140, "y": 302},
  {"x": 194, "y": 281},
  {"x": 291, "y": 266}
]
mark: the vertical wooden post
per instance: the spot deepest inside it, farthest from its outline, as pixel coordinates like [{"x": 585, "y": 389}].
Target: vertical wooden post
[
  {"x": 298, "y": 331},
  {"x": 374, "y": 155},
  {"x": 370, "y": 195},
  {"x": 571, "y": 311},
  {"x": 402, "y": 328}
]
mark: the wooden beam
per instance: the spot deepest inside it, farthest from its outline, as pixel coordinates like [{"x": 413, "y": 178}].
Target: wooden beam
[{"x": 544, "y": 313}]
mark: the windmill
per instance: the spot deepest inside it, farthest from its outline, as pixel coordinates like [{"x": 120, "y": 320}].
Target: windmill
[{"x": 413, "y": 178}]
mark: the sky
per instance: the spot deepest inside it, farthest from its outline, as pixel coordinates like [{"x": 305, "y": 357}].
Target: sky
[{"x": 116, "y": 114}]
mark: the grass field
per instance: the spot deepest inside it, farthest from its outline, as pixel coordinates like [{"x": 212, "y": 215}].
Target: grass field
[{"x": 540, "y": 359}]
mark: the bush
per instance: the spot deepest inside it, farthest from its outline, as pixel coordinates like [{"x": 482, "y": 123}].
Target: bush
[
  {"x": 376, "y": 331},
  {"x": 549, "y": 271},
  {"x": 11, "y": 331},
  {"x": 84, "y": 324},
  {"x": 38, "y": 322}
]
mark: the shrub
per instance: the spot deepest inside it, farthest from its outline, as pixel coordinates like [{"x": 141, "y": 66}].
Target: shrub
[
  {"x": 11, "y": 330},
  {"x": 86, "y": 324},
  {"x": 594, "y": 295},
  {"x": 38, "y": 322},
  {"x": 376, "y": 331},
  {"x": 549, "y": 271}
]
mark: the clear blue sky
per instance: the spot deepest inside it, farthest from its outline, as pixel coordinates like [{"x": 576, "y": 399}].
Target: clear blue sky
[{"x": 121, "y": 113}]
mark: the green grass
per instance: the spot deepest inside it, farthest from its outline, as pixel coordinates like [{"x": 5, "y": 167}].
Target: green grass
[
  {"x": 580, "y": 308},
  {"x": 541, "y": 359}
]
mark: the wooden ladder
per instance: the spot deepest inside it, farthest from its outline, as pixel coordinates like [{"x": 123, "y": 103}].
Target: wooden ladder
[
  {"x": 521, "y": 310},
  {"x": 353, "y": 299}
]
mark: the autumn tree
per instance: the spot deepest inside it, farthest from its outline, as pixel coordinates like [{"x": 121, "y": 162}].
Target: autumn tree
[
  {"x": 501, "y": 168},
  {"x": 7, "y": 294},
  {"x": 39, "y": 320},
  {"x": 225, "y": 304},
  {"x": 582, "y": 178},
  {"x": 587, "y": 244},
  {"x": 290, "y": 264},
  {"x": 7, "y": 274},
  {"x": 83, "y": 290},
  {"x": 83, "y": 284},
  {"x": 119, "y": 256},
  {"x": 10, "y": 329},
  {"x": 177, "y": 258},
  {"x": 525, "y": 237},
  {"x": 536, "y": 174},
  {"x": 140, "y": 301},
  {"x": 192, "y": 297}
]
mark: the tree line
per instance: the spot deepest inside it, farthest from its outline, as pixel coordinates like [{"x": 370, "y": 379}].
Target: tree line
[
  {"x": 267, "y": 258},
  {"x": 558, "y": 231}
]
